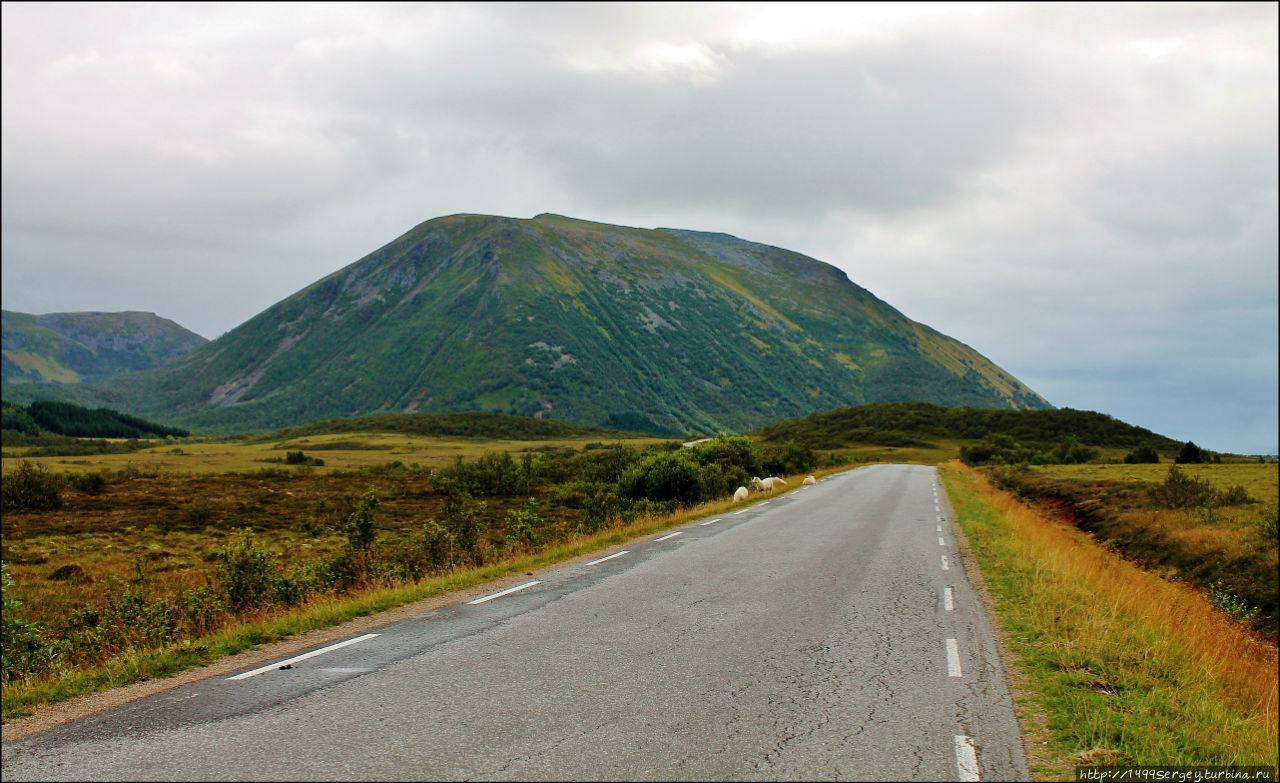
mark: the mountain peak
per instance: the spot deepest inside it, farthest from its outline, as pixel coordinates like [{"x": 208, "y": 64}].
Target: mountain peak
[{"x": 667, "y": 330}]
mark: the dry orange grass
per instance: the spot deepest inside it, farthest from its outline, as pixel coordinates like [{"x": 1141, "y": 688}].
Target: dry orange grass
[{"x": 1085, "y": 611}]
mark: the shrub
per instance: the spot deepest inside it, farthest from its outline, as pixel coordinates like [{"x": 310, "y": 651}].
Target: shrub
[
  {"x": 522, "y": 527},
  {"x": 134, "y": 617},
  {"x": 661, "y": 477},
  {"x": 463, "y": 526},
  {"x": 246, "y": 574},
  {"x": 88, "y": 483},
  {"x": 22, "y": 646},
  {"x": 198, "y": 512},
  {"x": 298, "y": 458},
  {"x": 1071, "y": 452},
  {"x": 1182, "y": 491},
  {"x": 729, "y": 452},
  {"x": 202, "y": 607},
  {"x": 1144, "y": 454},
  {"x": 492, "y": 474},
  {"x": 602, "y": 506},
  {"x": 31, "y": 488},
  {"x": 790, "y": 458},
  {"x": 999, "y": 449},
  {"x": 359, "y": 529}
]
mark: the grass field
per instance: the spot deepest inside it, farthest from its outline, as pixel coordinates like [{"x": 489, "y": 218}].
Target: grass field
[
  {"x": 1111, "y": 664},
  {"x": 345, "y": 451},
  {"x": 1209, "y": 526}
]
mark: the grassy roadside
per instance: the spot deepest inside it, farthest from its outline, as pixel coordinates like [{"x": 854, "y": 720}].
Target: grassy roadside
[
  {"x": 1110, "y": 664},
  {"x": 20, "y": 698}
]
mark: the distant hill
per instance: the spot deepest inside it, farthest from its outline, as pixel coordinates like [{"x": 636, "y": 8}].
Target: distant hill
[
  {"x": 907, "y": 424},
  {"x": 75, "y": 347},
  {"x": 656, "y": 330}
]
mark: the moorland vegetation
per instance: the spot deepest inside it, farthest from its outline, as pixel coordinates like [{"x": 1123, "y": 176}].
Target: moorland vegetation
[
  {"x": 103, "y": 563},
  {"x": 123, "y": 567}
]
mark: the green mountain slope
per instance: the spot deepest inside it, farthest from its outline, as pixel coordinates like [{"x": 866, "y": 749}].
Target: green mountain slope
[
  {"x": 658, "y": 330},
  {"x": 74, "y": 347}
]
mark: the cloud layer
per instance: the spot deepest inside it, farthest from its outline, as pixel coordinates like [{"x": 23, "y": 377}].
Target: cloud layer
[{"x": 1086, "y": 194}]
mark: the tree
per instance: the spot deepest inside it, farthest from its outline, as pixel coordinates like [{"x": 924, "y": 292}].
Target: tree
[{"x": 1190, "y": 454}]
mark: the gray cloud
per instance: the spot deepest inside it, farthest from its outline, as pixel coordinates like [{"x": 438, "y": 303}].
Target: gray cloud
[{"x": 1086, "y": 194}]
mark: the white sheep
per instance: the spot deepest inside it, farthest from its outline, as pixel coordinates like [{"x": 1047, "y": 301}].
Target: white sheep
[
  {"x": 768, "y": 485},
  {"x": 740, "y": 495},
  {"x": 809, "y": 480}
]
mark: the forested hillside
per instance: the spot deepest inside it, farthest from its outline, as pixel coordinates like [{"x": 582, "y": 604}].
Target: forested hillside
[{"x": 909, "y": 423}]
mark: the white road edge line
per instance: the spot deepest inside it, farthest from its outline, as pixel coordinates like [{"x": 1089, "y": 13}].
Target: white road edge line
[
  {"x": 939, "y": 528},
  {"x": 948, "y": 600},
  {"x": 668, "y": 535},
  {"x": 610, "y": 557},
  {"x": 966, "y": 759},
  {"x": 953, "y": 659},
  {"x": 302, "y": 657},
  {"x": 504, "y": 592},
  {"x": 712, "y": 522},
  {"x": 945, "y": 567},
  {"x": 941, "y": 542}
]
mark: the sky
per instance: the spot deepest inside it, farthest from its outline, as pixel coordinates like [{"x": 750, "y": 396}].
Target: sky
[{"x": 1085, "y": 194}]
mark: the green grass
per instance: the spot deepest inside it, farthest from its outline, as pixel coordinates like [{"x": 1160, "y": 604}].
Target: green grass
[{"x": 1111, "y": 664}]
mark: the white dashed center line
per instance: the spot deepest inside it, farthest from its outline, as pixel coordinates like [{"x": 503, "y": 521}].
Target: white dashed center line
[
  {"x": 953, "y": 659},
  {"x": 966, "y": 759}
]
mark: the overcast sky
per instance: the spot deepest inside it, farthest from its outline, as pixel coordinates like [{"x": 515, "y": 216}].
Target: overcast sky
[{"x": 1086, "y": 194}]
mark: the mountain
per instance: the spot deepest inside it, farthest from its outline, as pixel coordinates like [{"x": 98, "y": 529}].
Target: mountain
[
  {"x": 74, "y": 347},
  {"x": 658, "y": 330}
]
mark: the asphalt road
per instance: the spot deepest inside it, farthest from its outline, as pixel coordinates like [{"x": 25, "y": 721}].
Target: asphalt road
[{"x": 828, "y": 634}]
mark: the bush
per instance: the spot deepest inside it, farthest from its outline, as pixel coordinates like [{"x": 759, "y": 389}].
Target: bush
[
  {"x": 1071, "y": 452},
  {"x": 492, "y": 474},
  {"x": 30, "y": 488},
  {"x": 1182, "y": 491},
  {"x": 22, "y": 647},
  {"x": 523, "y": 527},
  {"x": 999, "y": 449},
  {"x": 1144, "y": 454},
  {"x": 359, "y": 529},
  {"x": 729, "y": 452},
  {"x": 791, "y": 458},
  {"x": 198, "y": 512},
  {"x": 88, "y": 483},
  {"x": 298, "y": 458},
  {"x": 463, "y": 526},
  {"x": 661, "y": 477},
  {"x": 246, "y": 574}
]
